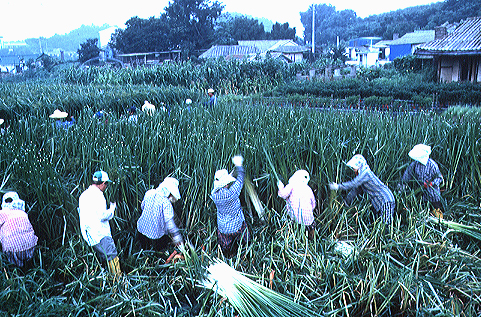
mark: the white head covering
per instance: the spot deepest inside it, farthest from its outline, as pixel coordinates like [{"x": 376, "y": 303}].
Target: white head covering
[
  {"x": 57, "y": 114},
  {"x": 210, "y": 91},
  {"x": 11, "y": 201},
  {"x": 357, "y": 162},
  {"x": 299, "y": 177},
  {"x": 222, "y": 178},
  {"x": 420, "y": 153},
  {"x": 169, "y": 186},
  {"x": 1, "y": 121}
]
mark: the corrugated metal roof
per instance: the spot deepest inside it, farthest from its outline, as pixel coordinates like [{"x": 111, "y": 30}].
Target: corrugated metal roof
[
  {"x": 229, "y": 50},
  {"x": 416, "y": 37},
  {"x": 465, "y": 39}
]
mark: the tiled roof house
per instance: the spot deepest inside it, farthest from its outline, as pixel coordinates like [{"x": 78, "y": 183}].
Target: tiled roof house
[{"x": 457, "y": 54}]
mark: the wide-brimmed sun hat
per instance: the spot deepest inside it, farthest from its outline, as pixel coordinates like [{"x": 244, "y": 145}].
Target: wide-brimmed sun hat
[
  {"x": 1, "y": 121},
  {"x": 210, "y": 91},
  {"x": 420, "y": 153},
  {"x": 57, "y": 114},
  {"x": 221, "y": 179}
]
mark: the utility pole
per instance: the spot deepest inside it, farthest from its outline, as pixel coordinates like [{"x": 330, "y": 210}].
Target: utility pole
[{"x": 313, "y": 27}]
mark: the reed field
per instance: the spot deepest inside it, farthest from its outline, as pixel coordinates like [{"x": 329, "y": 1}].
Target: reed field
[{"x": 418, "y": 266}]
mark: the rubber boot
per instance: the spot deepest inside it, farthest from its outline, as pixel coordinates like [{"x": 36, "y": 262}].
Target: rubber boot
[
  {"x": 437, "y": 213},
  {"x": 114, "y": 266}
]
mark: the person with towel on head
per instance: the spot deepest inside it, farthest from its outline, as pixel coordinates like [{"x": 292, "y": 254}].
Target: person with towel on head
[
  {"x": 231, "y": 225},
  {"x": 157, "y": 219},
  {"x": 148, "y": 108},
  {"x": 17, "y": 236},
  {"x": 300, "y": 201},
  {"x": 94, "y": 221},
  {"x": 379, "y": 194},
  {"x": 425, "y": 172}
]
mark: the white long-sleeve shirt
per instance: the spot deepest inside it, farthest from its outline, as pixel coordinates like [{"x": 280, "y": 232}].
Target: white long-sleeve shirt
[{"x": 94, "y": 215}]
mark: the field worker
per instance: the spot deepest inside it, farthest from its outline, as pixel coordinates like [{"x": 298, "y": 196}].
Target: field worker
[
  {"x": 425, "y": 172},
  {"x": 133, "y": 118},
  {"x": 379, "y": 194},
  {"x": 16, "y": 232},
  {"x": 212, "y": 98},
  {"x": 157, "y": 219},
  {"x": 94, "y": 221},
  {"x": 300, "y": 201},
  {"x": 148, "y": 108},
  {"x": 59, "y": 123},
  {"x": 231, "y": 225}
]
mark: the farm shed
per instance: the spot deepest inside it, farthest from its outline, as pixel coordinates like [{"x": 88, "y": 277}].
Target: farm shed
[
  {"x": 245, "y": 49},
  {"x": 149, "y": 58},
  {"x": 407, "y": 44},
  {"x": 457, "y": 54}
]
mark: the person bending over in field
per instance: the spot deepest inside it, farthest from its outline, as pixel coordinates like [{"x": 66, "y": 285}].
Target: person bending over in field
[
  {"x": 425, "y": 172},
  {"x": 16, "y": 232},
  {"x": 300, "y": 201},
  {"x": 379, "y": 194},
  {"x": 94, "y": 221},
  {"x": 157, "y": 219},
  {"x": 231, "y": 224}
]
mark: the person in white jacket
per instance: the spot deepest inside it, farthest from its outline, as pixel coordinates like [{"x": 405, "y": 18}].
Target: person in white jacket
[{"x": 94, "y": 221}]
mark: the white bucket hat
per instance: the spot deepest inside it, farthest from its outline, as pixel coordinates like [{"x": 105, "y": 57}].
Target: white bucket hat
[
  {"x": 57, "y": 114},
  {"x": 420, "y": 153},
  {"x": 188, "y": 101},
  {"x": 210, "y": 91},
  {"x": 11, "y": 201},
  {"x": 169, "y": 186},
  {"x": 222, "y": 178},
  {"x": 1, "y": 121},
  {"x": 300, "y": 177},
  {"x": 356, "y": 162}
]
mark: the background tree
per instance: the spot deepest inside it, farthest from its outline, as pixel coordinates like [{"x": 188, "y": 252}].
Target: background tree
[
  {"x": 88, "y": 50},
  {"x": 282, "y": 32},
  {"x": 231, "y": 29}
]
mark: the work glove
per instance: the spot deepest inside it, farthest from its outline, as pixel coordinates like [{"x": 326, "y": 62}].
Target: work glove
[
  {"x": 177, "y": 240},
  {"x": 280, "y": 184},
  {"x": 334, "y": 186},
  {"x": 238, "y": 160},
  {"x": 426, "y": 184}
]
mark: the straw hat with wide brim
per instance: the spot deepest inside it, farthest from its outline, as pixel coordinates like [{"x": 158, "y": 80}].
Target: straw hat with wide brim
[{"x": 57, "y": 114}]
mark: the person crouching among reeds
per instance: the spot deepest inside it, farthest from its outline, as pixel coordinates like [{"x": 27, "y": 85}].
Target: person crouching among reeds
[
  {"x": 300, "y": 201},
  {"x": 379, "y": 194},
  {"x": 231, "y": 224},
  {"x": 17, "y": 236}
]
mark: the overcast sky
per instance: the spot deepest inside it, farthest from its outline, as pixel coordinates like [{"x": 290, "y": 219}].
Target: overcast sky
[{"x": 21, "y": 19}]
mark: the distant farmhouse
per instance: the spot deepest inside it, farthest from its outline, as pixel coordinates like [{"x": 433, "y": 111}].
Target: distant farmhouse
[
  {"x": 407, "y": 44},
  {"x": 286, "y": 50},
  {"x": 457, "y": 54},
  {"x": 372, "y": 51}
]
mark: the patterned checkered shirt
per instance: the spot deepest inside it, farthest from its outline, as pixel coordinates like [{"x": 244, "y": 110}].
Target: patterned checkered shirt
[
  {"x": 300, "y": 202},
  {"x": 16, "y": 231},
  {"x": 425, "y": 173},
  {"x": 368, "y": 182},
  {"x": 229, "y": 212},
  {"x": 157, "y": 217}
]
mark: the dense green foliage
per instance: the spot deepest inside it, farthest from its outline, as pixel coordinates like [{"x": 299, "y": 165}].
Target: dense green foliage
[
  {"x": 185, "y": 24},
  {"x": 88, "y": 50},
  {"x": 414, "y": 267},
  {"x": 331, "y": 23}
]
